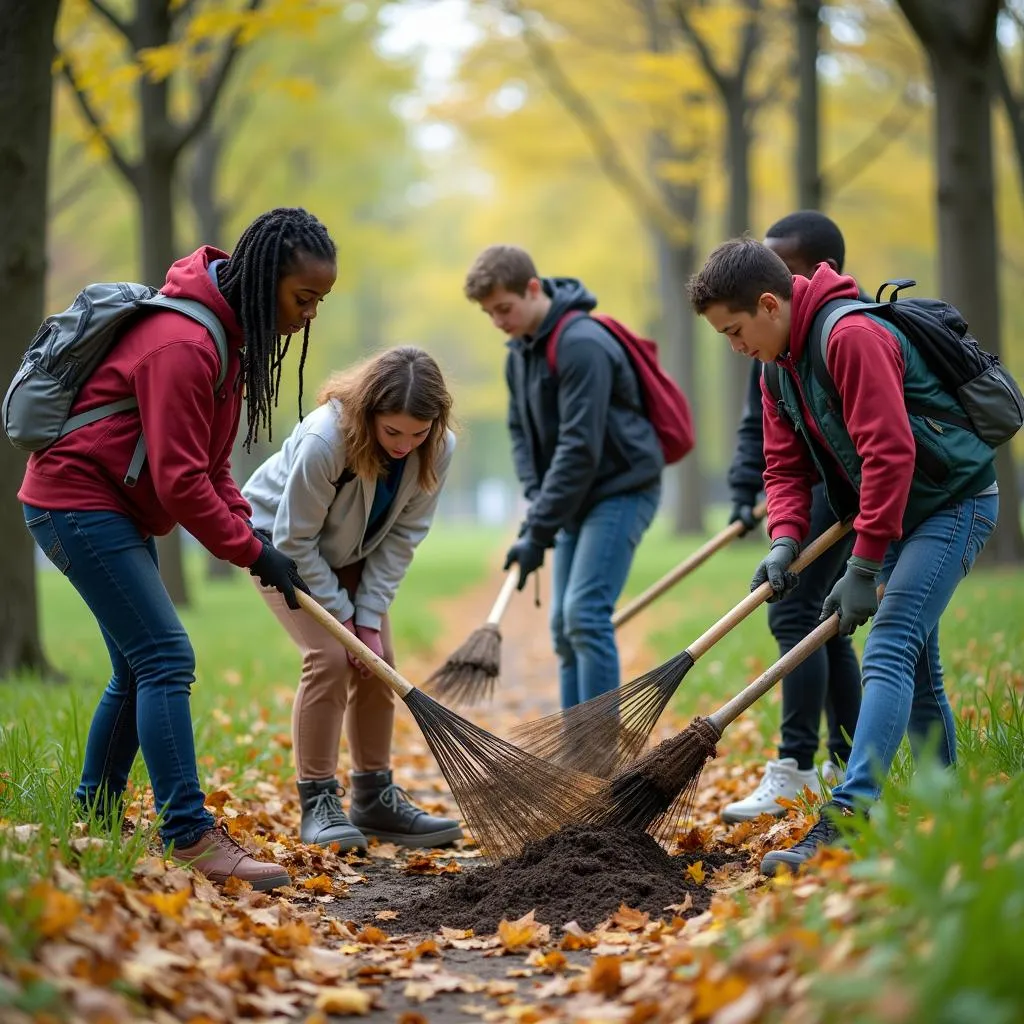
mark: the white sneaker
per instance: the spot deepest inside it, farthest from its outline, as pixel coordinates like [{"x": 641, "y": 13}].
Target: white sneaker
[{"x": 781, "y": 779}]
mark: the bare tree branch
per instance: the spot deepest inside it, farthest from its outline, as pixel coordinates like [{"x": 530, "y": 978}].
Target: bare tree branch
[
  {"x": 751, "y": 39},
  {"x": 607, "y": 152},
  {"x": 697, "y": 40},
  {"x": 214, "y": 84},
  {"x": 124, "y": 27},
  {"x": 869, "y": 149},
  {"x": 128, "y": 171}
]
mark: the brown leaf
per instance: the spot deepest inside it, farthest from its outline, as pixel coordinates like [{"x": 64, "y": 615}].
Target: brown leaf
[
  {"x": 550, "y": 963},
  {"x": 682, "y": 908},
  {"x": 629, "y": 919},
  {"x": 420, "y": 864},
  {"x": 428, "y": 947},
  {"x": 371, "y": 935},
  {"x": 605, "y": 975},
  {"x": 386, "y": 915},
  {"x": 59, "y": 909},
  {"x": 456, "y": 933},
  {"x": 412, "y": 1018}
]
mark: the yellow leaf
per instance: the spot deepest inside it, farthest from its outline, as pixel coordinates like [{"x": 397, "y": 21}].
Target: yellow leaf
[
  {"x": 168, "y": 904},
  {"x": 516, "y": 934},
  {"x": 576, "y": 938},
  {"x": 713, "y": 995},
  {"x": 59, "y": 909},
  {"x": 371, "y": 936},
  {"x": 346, "y": 1001},
  {"x": 696, "y": 871},
  {"x": 322, "y": 883},
  {"x": 552, "y": 963}
]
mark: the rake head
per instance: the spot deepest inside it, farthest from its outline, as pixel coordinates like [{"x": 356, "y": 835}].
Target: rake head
[
  {"x": 469, "y": 674},
  {"x": 656, "y": 791},
  {"x": 605, "y": 733},
  {"x": 507, "y": 796}
]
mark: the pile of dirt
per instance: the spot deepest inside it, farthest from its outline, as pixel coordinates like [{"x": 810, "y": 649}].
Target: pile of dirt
[{"x": 582, "y": 873}]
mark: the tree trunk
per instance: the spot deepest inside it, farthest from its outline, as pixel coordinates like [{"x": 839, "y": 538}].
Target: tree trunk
[
  {"x": 968, "y": 241},
  {"x": 808, "y": 147},
  {"x": 26, "y": 58},
  {"x": 677, "y": 334},
  {"x": 155, "y": 187},
  {"x": 738, "y": 158}
]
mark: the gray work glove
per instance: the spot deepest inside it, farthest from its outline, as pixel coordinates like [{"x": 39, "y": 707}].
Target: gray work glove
[
  {"x": 774, "y": 569},
  {"x": 854, "y": 596}
]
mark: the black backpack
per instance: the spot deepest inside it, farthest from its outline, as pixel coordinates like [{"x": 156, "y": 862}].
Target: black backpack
[{"x": 981, "y": 384}]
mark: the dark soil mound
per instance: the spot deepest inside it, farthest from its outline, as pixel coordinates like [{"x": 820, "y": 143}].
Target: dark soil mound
[{"x": 582, "y": 874}]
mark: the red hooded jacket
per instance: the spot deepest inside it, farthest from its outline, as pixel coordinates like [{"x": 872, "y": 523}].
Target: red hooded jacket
[
  {"x": 170, "y": 364},
  {"x": 866, "y": 363}
]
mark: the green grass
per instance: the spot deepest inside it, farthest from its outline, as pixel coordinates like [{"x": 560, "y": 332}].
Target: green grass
[{"x": 945, "y": 929}]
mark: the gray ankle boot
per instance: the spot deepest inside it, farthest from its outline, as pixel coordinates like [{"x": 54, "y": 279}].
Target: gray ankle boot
[
  {"x": 323, "y": 820},
  {"x": 382, "y": 809}
]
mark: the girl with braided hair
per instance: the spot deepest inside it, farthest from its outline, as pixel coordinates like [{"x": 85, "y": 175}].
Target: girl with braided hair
[
  {"x": 349, "y": 496},
  {"x": 97, "y": 523}
]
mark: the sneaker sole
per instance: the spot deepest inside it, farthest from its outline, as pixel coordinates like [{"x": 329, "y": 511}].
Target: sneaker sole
[
  {"x": 424, "y": 841},
  {"x": 265, "y": 884},
  {"x": 770, "y": 868},
  {"x": 738, "y": 817},
  {"x": 344, "y": 845}
]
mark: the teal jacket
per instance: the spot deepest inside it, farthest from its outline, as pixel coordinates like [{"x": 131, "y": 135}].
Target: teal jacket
[{"x": 887, "y": 467}]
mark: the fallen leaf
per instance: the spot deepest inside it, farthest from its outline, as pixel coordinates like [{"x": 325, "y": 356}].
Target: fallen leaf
[
  {"x": 428, "y": 947},
  {"x": 321, "y": 883},
  {"x": 371, "y": 935},
  {"x": 345, "y": 1001},
  {"x": 169, "y": 904},
  {"x": 713, "y": 995},
  {"x": 517, "y": 934},
  {"x": 550, "y": 963},
  {"x": 605, "y": 975},
  {"x": 681, "y": 908},
  {"x": 576, "y": 938},
  {"x": 696, "y": 872},
  {"x": 386, "y": 915},
  {"x": 629, "y": 919},
  {"x": 59, "y": 909},
  {"x": 454, "y": 933}
]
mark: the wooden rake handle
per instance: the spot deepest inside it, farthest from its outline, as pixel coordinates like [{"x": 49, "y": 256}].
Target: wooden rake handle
[
  {"x": 378, "y": 666},
  {"x": 754, "y": 691},
  {"x": 683, "y": 569},
  {"x": 756, "y": 598},
  {"x": 508, "y": 588}
]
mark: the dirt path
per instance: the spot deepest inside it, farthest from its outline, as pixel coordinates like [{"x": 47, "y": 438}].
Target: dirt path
[{"x": 479, "y": 982}]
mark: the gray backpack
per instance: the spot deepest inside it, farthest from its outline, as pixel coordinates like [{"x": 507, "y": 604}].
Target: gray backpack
[{"x": 69, "y": 346}]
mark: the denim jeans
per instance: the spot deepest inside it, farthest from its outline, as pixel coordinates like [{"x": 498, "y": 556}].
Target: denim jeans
[
  {"x": 903, "y": 691},
  {"x": 829, "y": 680},
  {"x": 591, "y": 564},
  {"x": 146, "y": 702}
]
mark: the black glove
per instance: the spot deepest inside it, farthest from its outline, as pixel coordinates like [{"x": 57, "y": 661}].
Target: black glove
[
  {"x": 277, "y": 570},
  {"x": 854, "y": 596},
  {"x": 743, "y": 512},
  {"x": 528, "y": 554},
  {"x": 774, "y": 568}
]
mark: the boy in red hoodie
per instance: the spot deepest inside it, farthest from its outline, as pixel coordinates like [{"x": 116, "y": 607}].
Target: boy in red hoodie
[
  {"x": 97, "y": 524},
  {"x": 922, "y": 491}
]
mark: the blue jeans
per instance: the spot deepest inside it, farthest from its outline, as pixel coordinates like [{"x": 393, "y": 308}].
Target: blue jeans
[
  {"x": 146, "y": 701},
  {"x": 903, "y": 691},
  {"x": 591, "y": 563},
  {"x": 828, "y": 680}
]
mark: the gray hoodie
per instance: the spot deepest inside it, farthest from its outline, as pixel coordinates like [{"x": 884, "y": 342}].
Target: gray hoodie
[{"x": 296, "y": 497}]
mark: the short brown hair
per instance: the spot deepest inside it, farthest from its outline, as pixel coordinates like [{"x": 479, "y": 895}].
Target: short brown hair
[
  {"x": 404, "y": 379},
  {"x": 737, "y": 274},
  {"x": 499, "y": 266}
]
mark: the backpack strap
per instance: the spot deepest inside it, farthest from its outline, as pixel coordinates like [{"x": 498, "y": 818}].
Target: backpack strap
[
  {"x": 346, "y": 475},
  {"x": 551, "y": 351},
  {"x": 202, "y": 315}
]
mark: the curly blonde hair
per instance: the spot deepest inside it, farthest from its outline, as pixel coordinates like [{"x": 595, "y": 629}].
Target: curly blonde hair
[{"x": 404, "y": 379}]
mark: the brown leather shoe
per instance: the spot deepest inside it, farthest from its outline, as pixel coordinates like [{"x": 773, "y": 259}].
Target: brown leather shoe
[{"x": 219, "y": 857}]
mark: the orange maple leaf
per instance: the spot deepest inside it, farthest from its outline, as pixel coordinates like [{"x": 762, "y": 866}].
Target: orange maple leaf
[{"x": 516, "y": 934}]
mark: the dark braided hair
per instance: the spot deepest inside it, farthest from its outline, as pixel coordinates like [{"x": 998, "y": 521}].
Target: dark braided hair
[{"x": 272, "y": 246}]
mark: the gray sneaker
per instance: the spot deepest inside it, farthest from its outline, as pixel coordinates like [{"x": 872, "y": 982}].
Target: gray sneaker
[{"x": 324, "y": 821}]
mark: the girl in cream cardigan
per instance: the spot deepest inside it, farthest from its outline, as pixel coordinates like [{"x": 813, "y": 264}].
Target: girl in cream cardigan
[{"x": 349, "y": 496}]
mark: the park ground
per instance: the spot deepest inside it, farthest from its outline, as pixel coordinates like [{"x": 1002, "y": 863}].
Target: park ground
[{"x": 923, "y": 920}]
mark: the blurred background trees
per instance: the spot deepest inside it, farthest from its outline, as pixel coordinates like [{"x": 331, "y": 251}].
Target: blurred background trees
[{"x": 618, "y": 140}]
